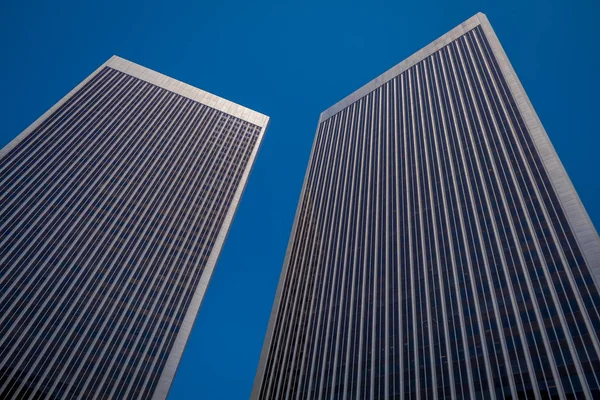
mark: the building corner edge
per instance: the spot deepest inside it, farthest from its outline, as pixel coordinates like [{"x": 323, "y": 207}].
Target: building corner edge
[{"x": 577, "y": 217}]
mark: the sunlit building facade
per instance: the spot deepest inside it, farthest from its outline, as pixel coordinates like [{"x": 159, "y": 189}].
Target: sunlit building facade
[
  {"x": 439, "y": 249},
  {"x": 114, "y": 206}
]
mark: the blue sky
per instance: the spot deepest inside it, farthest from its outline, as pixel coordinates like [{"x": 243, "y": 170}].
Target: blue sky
[{"x": 289, "y": 60}]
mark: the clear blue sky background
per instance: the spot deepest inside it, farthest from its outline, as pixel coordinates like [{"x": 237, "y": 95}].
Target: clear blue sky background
[{"x": 289, "y": 60}]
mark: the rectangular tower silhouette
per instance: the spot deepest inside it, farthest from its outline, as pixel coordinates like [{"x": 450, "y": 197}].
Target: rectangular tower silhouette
[
  {"x": 114, "y": 206},
  {"x": 439, "y": 249}
]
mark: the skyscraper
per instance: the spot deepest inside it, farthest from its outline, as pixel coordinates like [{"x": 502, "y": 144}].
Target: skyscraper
[
  {"x": 439, "y": 248},
  {"x": 114, "y": 206}
]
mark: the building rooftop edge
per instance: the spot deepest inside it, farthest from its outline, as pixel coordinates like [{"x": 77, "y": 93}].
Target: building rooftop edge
[
  {"x": 189, "y": 91},
  {"x": 396, "y": 70}
]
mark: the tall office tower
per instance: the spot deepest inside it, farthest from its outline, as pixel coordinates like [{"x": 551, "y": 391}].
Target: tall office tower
[
  {"x": 114, "y": 206},
  {"x": 439, "y": 249}
]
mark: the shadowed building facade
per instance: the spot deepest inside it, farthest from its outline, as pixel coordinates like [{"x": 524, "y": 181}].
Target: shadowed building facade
[
  {"x": 439, "y": 249},
  {"x": 114, "y": 206}
]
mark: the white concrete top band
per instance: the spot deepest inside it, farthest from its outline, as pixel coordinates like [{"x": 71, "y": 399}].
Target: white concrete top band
[
  {"x": 403, "y": 66},
  {"x": 186, "y": 90}
]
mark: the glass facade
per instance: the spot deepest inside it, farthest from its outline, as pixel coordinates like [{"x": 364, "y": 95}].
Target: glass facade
[
  {"x": 431, "y": 257},
  {"x": 110, "y": 210}
]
